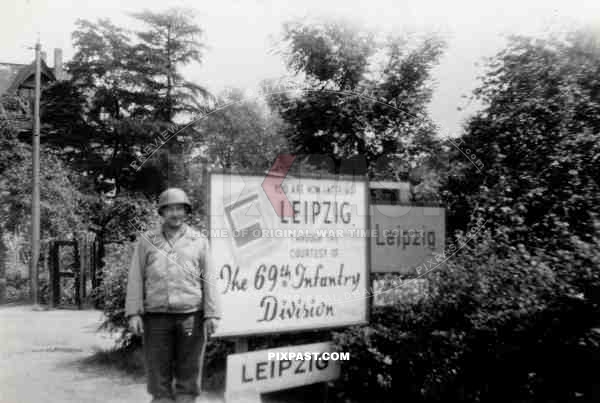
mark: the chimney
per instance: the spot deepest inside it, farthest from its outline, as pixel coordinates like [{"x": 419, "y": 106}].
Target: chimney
[{"x": 58, "y": 66}]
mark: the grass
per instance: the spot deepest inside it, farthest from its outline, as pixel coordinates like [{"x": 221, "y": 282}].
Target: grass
[{"x": 129, "y": 361}]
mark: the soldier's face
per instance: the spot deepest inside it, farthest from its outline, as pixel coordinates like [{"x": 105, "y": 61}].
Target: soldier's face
[{"x": 173, "y": 215}]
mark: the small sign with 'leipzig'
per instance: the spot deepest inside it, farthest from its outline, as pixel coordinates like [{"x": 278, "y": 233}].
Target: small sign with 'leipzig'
[{"x": 260, "y": 371}]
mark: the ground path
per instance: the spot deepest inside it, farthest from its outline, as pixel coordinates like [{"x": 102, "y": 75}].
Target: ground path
[
  {"x": 43, "y": 359},
  {"x": 45, "y": 355}
]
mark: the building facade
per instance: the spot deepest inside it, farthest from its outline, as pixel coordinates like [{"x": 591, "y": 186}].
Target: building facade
[{"x": 17, "y": 90}]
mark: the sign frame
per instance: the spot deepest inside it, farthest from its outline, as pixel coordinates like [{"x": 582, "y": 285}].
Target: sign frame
[{"x": 368, "y": 297}]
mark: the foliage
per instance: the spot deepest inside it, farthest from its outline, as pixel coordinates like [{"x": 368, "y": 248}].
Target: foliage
[
  {"x": 519, "y": 303},
  {"x": 493, "y": 329},
  {"x": 112, "y": 291},
  {"x": 59, "y": 200},
  {"x": 123, "y": 217},
  {"x": 100, "y": 68},
  {"x": 129, "y": 89},
  {"x": 362, "y": 96},
  {"x": 61, "y": 213},
  {"x": 62, "y": 113},
  {"x": 538, "y": 137},
  {"x": 172, "y": 40},
  {"x": 243, "y": 133},
  {"x": 113, "y": 115},
  {"x": 127, "y": 78}
]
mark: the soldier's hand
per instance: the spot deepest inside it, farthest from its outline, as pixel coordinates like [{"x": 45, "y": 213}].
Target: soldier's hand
[
  {"x": 210, "y": 326},
  {"x": 136, "y": 325}
]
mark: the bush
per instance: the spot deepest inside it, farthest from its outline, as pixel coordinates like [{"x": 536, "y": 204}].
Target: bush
[
  {"x": 17, "y": 288},
  {"x": 499, "y": 325},
  {"x": 111, "y": 293}
]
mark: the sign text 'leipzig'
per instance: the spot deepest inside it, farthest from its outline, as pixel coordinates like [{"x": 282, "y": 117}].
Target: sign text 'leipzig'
[{"x": 254, "y": 372}]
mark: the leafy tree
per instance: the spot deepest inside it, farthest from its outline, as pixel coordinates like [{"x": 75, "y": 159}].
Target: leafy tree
[
  {"x": 364, "y": 95},
  {"x": 102, "y": 74},
  {"x": 242, "y": 133},
  {"x": 528, "y": 286},
  {"x": 172, "y": 41},
  {"x": 101, "y": 68},
  {"x": 521, "y": 296},
  {"x": 538, "y": 137},
  {"x": 113, "y": 110},
  {"x": 132, "y": 90},
  {"x": 59, "y": 208},
  {"x": 65, "y": 128}
]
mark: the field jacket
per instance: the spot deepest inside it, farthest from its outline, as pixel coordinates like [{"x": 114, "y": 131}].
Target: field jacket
[{"x": 171, "y": 277}]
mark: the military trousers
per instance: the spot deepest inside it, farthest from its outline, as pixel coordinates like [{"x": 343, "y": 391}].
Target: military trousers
[{"x": 172, "y": 346}]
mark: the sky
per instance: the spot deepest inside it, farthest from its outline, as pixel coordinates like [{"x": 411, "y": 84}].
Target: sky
[{"x": 240, "y": 35}]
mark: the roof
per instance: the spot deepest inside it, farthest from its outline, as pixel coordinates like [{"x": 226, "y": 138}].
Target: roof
[
  {"x": 13, "y": 75},
  {"x": 8, "y": 73}
]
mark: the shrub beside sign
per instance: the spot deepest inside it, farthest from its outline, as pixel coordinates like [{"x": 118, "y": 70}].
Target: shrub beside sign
[{"x": 304, "y": 268}]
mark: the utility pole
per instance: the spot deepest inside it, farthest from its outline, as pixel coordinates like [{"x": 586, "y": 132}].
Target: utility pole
[{"x": 35, "y": 196}]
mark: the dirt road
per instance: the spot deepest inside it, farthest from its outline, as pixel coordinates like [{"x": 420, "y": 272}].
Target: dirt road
[{"x": 43, "y": 360}]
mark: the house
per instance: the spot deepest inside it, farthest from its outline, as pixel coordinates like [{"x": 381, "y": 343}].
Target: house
[{"x": 17, "y": 89}]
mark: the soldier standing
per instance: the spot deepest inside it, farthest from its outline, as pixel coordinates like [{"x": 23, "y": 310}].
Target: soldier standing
[{"x": 172, "y": 301}]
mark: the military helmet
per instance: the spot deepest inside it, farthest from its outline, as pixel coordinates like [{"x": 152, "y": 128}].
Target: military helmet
[{"x": 173, "y": 196}]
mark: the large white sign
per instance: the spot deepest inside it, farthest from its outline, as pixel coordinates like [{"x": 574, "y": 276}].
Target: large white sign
[
  {"x": 254, "y": 372},
  {"x": 291, "y": 256},
  {"x": 405, "y": 237}
]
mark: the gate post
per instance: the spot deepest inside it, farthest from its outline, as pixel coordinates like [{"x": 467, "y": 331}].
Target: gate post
[
  {"x": 76, "y": 272},
  {"x": 54, "y": 276},
  {"x": 82, "y": 269}
]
